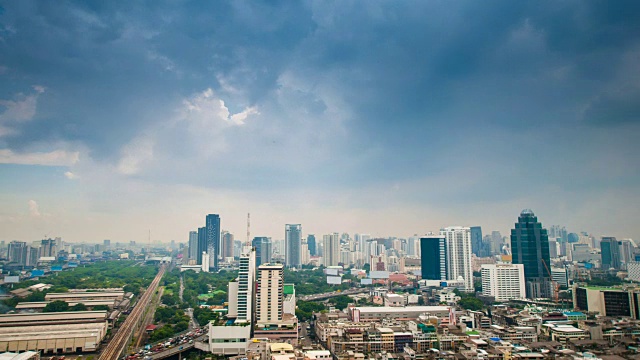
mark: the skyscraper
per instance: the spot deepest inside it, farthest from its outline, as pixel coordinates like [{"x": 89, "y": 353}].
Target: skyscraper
[
  {"x": 476, "y": 241},
  {"x": 458, "y": 242},
  {"x": 202, "y": 243},
  {"x": 503, "y": 281},
  {"x": 18, "y": 252},
  {"x": 433, "y": 257},
  {"x": 292, "y": 241},
  {"x": 269, "y": 293},
  {"x": 262, "y": 245},
  {"x": 530, "y": 247},
  {"x": 193, "y": 245},
  {"x": 227, "y": 244},
  {"x": 311, "y": 243},
  {"x": 213, "y": 240},
  {"x": 246, "y": 285},
  {"x": 331, "y": 248},
  {"x": 610, "y": 253}
]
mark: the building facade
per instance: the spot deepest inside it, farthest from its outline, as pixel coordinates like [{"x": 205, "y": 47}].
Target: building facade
[
  {"x": 530, "y": 247},
  {"x": 331, "y": 249},
  {"x": 503, "y": 281},
  {"x": 213, "y": 240},
  {"x": 458, "y": 243},
  {"x": 292, "y": 243},
  {"x": 433, "y": 257},
  {"x": 269, "y": 293}
]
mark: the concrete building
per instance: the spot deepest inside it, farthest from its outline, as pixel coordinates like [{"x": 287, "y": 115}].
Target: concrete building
[
  {"x": 292, "y": 244},
  {"x": 269, "y": 293},
  {"x": 503, "y": 281},
  {"x": 612, "y": 302},
  {"x": 369, "y": 314},
  {"x": 331, "y": 249},
  {"x": 458, "y": 244}
]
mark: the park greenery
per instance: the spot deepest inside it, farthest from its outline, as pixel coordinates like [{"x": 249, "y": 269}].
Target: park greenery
[{"x": 313, "y": 281}]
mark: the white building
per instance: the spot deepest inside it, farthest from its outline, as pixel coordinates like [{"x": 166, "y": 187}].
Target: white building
[
  {"x": 503, "y": 281},
  {"x": 633, "y": 268},
  {"x": 458, "y": 243},
  {"x": 269, "y": 295},
  {"x": 559, "y": 275},
  {"x": 246, "y": 280},
  {"x": 331, "y": 249}
]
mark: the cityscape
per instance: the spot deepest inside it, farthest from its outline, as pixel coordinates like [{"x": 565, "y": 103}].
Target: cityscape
[{"x": 319, "y": 180}]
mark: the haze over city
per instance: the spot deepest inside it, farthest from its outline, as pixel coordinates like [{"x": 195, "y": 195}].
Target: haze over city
[{"x": 387, "y": 118}]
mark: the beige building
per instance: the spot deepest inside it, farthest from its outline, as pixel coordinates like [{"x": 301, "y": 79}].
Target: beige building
[{"x": 269, "y": 294}]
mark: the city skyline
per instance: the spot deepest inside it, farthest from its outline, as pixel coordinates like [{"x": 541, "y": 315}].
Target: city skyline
[{"x": 373, "y": 117}]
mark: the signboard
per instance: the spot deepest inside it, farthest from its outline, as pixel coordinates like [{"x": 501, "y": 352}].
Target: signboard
[
  {"x": 36, "y": 272},
  {"x": 56, "y": 268},
  {"x": 11, "y": 279},
  {"x": 366, "y": 281},
  {"x": 333, "y": 272},
  {"x": 334, "y": 280},
  {"x": 379, "y": 274},
  {"x": 73, "y": 264}
]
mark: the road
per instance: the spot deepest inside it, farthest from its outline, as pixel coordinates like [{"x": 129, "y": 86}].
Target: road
[{"x": 119, "y": 341}]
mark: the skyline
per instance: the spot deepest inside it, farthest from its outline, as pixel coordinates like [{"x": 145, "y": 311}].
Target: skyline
[{"x": 371, "y": 117}]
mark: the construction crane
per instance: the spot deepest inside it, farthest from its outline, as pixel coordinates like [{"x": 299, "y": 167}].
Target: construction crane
[{"x": 556, "y": 285}]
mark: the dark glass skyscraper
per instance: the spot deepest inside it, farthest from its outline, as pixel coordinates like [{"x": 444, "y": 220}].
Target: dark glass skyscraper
[
  {"x": 476, "y": 242},
  {"x": 262, "y": 245},
  {"x": 202, "y": 243},
  {"x": 213, "y": 240},
  {"x": 433, "y": 255},
  {"x": 610, "y": 253},
  {"x": 292, "y": 244},
  {"x": 530, "y": 247},
  {"x": 311, "y": 243}
]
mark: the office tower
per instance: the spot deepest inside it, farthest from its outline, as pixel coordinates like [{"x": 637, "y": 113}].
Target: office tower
[
  {"x": 193, "y": 245},
  {"x": 553, "y": 249},
  {"x": 18, "y": 252},
  {"x": 263, "y": 248},
  {"x": 202, "y": 243},
  {"x": 292, "y": 241},
  {"x": 433, "y": 257},
  {"x": 503, "y": 281},
  {"x": 246, "y": 285},
  {"x": 496, "y": 242},
  {"x": 458, "y": 243},
  {"x": 213, "y": 240},
  {"x": 610, "y": 253},
  {"x": 269, "y": 293},
  {"x": 227, "y": 244},
  {"x": 237, "y": 248},
  {"x": 331, "y": 249},
  {"x": 311, "y": 243},
  {"x": 48, "y": 248},
  {"x": 476, "y": 241},
  {"x": 305, "y": 257},
  {"x": 530, "y": 247},
  {"x": 626, "y": 249},
  {"x": 33, "y": 256},
  {"x": 107, "y": 244}
]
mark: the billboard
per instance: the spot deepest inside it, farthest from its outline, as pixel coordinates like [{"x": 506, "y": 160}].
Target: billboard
[
  {"x": 334, "y": 280},
  {"x": 11, "y": 279},
  {"x": 56, "y": 268},
  {"x": 329, "y": 271},
  {"x": 366, "y": 281},
  {"x": 72, "y": 264},
  {"x": 379, "y": 274},
  {"x": 36, "y": 272}
]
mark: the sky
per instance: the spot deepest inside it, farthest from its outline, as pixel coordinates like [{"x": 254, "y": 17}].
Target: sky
[{"x": 391, "y": 118}]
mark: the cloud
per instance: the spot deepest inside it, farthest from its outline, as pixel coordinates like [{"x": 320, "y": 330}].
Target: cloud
[
  {"x": 135, "y": 154},
  {"x": 34, "y": 209},
  {"x": 19, "y": 110},
  {"x": 52, "y": 158},
  {"x": 71, "y": 176}
]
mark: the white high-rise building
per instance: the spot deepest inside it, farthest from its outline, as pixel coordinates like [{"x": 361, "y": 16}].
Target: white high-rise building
[
  {"x": 458, "y": 242},
  {"x": 269, "y": 296},
  {"x": 503, "y": 281},
  {"x": 331, "y": 249},
  {"x": 246, "y": 281}
]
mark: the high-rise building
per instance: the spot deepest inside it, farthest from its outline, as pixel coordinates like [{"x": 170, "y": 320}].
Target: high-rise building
[
  {"x": 193, "y": 245},
  {"x": 269, "y": 293},
  {"x": 246, "y": 285},
  {"x": 496, "y": 242},
  {"x": 202, "y": 243},
  {"x": 476, "y": 241},
  {"x": 458, "y": 242},
  {"x": 610, "y": 253},
  {"x": 311, "y": 243},
  {"x": 553, "y": 249},
  {"x": 433, "y": 257},
  {"x": 213, "y": 240},
  {"x": 503, "y": 281},
  {"x": 227, "y": 244},
  {"x": 48, "y": 248},
  {"x": 292, "y": 241},
  {"x": 530, "y": 247},
  {"x": 107, "y": 244},
  {"x": 18, "y": 252},
  {"x": 331, "y": 248},
  {"x": 262, "y": 245}
]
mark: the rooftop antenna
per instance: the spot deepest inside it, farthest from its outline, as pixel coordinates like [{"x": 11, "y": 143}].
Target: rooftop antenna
[{"x": 248, "y": 229}]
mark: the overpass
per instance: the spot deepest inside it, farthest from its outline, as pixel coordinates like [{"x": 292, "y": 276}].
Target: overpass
[{"x": 179, "y": 349}]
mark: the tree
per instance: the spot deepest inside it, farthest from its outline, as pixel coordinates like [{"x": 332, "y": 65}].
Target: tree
[
  {"x": 56, "y": 306},
  {"x": 341, "y": 301},
  {"x": 471, "y": 303},
  {"x": 101, "y": 307},
  {"x": 78, "y": 307},
  {"x": 366, "y": 267}
]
